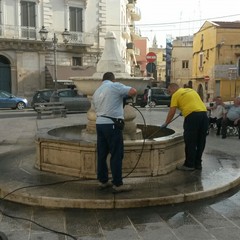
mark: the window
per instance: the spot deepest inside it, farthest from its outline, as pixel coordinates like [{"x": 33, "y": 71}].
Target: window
[
  {"x": 76, "y": 19},
  {"x": 200, "y": 61},
  {"x": 0, "y": 17},
  {"x": 77, "y": 61},
  {"x": 238, "y": 70},
  {"x": 28, "y": 14},
  {"x": 0, "y": 11},
  {"x": 185, "y": 63},
  {"x": 28, "y": 19}
]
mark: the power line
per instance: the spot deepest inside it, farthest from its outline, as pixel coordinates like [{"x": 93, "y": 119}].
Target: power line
[{"x": 188, "y": 21}]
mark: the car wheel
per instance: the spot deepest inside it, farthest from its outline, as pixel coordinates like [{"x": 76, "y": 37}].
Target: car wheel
[
  {"x": 21, "y": 105},
  {"x": 152, "y": 104}
]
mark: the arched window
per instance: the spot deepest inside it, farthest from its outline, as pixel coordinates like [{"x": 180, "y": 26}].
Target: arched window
[{"x": 4, "y": 60}]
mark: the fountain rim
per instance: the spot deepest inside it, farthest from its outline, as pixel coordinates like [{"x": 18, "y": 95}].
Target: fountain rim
[{"x": 44, "y": 134}]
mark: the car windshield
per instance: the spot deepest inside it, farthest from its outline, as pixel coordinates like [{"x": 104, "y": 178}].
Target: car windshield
[
  {"x": 67, "y": 93},
  {"x": 4, "y": 94},
  {"x": 47, "y": 93},
  {"x": 159, "y": 91}
]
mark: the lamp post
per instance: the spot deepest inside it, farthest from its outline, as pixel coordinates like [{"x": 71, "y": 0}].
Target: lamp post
[{"x": 66, "y": 36}]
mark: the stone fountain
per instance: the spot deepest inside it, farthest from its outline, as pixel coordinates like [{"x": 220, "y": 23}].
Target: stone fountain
[{"x": 71, "y": 150}]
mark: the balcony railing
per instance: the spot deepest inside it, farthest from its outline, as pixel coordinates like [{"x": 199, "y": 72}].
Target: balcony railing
[
  {"x": 30, "y": 33},
  {"x": 135, "y": 32},
  {"x": 131, "y": 3},
  {"x": 132, "y": 49},
  {"x": 136, "y": 14},
  {"x": 126, "y": 32}
]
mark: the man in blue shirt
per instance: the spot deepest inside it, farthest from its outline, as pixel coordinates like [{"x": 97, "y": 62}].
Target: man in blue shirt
[
  {"x": 232, "y": 118},
  {"x": 108, "y": 104}
]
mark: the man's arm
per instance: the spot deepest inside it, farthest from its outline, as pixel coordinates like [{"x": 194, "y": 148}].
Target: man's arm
[
  {"x": 236, "y": 121},
  {"x": 170, "y": 115},
  {"x": 132, "y": 92}
]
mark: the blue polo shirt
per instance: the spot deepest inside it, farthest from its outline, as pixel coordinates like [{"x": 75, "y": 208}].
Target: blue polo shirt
[
  {"x": 108, "y": 101},
  {"x": 233, "y": 113}
]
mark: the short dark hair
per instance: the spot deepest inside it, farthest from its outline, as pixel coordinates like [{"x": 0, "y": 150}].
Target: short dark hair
[{"x": 108, "y": 76}]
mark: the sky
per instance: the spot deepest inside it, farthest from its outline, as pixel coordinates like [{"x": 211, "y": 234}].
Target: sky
[{"x": 172, "y": 18}]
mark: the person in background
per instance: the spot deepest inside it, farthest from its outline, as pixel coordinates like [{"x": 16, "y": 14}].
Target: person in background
[
  {"x": 149, "y": 96},
  {"x": 232, "y": 118},
  {"x": 195, "y": 124},
  {"x": 217, "y": 111},
  {"x": 108, "y": 104}
]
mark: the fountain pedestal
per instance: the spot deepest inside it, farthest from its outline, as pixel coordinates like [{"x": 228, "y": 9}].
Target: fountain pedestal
[
  {"x": 62, "y": 151},
  {"x": 111, "y": 61}
]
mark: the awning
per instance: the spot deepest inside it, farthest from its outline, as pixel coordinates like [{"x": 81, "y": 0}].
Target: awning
[{"x": 66, "y": 72}]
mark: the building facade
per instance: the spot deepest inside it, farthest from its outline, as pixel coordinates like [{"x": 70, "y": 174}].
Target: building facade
[
  {"x": 181, "y": 64},
  {"x": 160, "y": 74},
  {"x": 27, "y": 63},
  {"x": 216, "y": 58}
]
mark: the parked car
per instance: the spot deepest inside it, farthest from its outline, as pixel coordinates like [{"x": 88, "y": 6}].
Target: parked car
[
  {"x": 159, "y": 96},
  {"x": 8, "y": 100},
  {"x": 72, "y": 99}
]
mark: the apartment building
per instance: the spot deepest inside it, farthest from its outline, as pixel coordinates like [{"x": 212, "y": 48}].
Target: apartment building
[
  {"x": 181, "y": 64},
  {"x": 71, "y": 42},
  {"x": 216, "y": 60}
]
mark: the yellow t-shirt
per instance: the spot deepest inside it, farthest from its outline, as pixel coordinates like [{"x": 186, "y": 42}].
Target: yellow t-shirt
[{"x": 187, "y": 101}]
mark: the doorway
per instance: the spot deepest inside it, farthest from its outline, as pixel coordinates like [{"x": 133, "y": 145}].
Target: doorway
[
  {"x": 5, "y": 74},
  {"x": 200, "y": 91}
]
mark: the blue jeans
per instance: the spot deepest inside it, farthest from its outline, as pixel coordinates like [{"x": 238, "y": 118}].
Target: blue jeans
[
  {"x": 195, "y": 132},
  {"x": 109, "y": 141}
]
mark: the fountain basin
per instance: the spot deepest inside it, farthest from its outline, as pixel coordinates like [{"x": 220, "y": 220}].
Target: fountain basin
[{"x": 62, "y": 151}]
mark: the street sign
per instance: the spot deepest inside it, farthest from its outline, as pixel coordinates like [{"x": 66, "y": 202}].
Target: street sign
[
  {"x": 151, "y": 67},
  {"x": 151, "y": 57},
  {"x": 206, "y": 78}
]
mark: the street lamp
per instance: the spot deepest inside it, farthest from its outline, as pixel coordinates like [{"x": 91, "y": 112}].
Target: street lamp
[{"x": 66, "y": 36}]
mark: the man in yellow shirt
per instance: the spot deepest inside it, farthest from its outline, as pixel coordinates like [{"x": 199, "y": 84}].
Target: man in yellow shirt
[{"x": 195, "y": 124}]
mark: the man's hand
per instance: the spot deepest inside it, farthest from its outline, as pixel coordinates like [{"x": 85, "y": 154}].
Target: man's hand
[
  {"x": 236, "y": 121},
  {"x": 163, "y": 125}
]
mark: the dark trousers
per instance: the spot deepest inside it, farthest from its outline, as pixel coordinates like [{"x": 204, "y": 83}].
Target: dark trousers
[
  {"x": 109, "y": 140},
  {"x": 195, "y": 131}
]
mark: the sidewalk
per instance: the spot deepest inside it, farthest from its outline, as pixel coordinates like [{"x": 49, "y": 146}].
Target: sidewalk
[{"x": 220, "y": 173}]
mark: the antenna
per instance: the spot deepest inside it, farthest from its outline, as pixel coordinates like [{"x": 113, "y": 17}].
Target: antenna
[
  {"x": 200, "y": 12},
  {"x": 180, "y": 24}
]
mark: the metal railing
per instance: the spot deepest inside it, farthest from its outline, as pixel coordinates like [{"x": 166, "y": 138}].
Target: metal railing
[{"x": 32, "y": 33}]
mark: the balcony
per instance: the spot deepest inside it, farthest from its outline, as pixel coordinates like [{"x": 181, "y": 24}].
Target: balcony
[
  {"x": 82, "y": 38},
  {"x": 126, "y": 32},
  {"x": 131, "y": 4},
  {"x": 132, "y": 49},
  {"x": 136, "y": 14},
  {"x": 10, "y": 32},
  {"x": 135, "y": 32}
]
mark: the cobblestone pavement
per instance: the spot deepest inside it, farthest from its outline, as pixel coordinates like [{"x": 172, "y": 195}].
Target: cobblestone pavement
[{"x": 216, "y": 218}]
